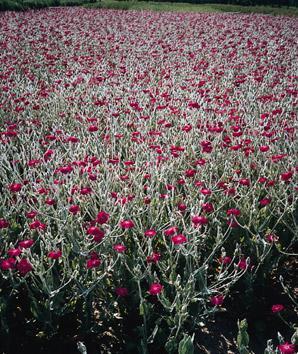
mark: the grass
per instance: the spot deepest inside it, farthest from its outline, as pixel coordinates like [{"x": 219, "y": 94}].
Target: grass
[
  {"x": 17, "y": 5},
  {"x": 187, "y": 7}
]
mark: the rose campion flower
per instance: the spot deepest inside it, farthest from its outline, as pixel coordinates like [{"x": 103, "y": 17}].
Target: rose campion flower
[
  {"x": 154, "y": 258},
  {"x": 217, "y": 300},
  {"x": 119, "y": 248},
  {"x": 94, "y": 261},
  {"x": 4, "y": 224},
  {"x": 155, "y": 288},
  {"x": 271, "y": 238},
  {"x": 37, "y": 225},
  {"x": 74, "y": 209},
  {"x": 14, "y": 252},
  {"x": 26, "y": 243},
  {"x": 150, "y": 233},
  {"x": 244, "y": 182},
  {"x": 265, "y": 201},
  {"x": 286, "y": 176},
  {"x": 234, "y": 212},
  {"x": 24, "y": 267},
  {"x": 179, "y": 239},
  {"x": 225, "y": 260},
  {"x": 182, "y": 207},
  {"x": 206, "y": 191},
  {"x": 171, "y": 231},
  {"x": 122, "y": 292},
  {"x": 15, "y": 187},
  {"x": 277, "y": 308},
  {"x": 127, "y": 224},
  {"x": 242, "y": 264},
  {"x": 31, "y": 214},
  {"x": 199, "y": 220},
  {"x": 96, "y": 232},
  {"x": 102, "y": 217},
  {"x": 7, "y": 264},
  {"x": 287, "y": 348},
  {"x": 55, "y": 254},
  {"x": 208, "y": 207}
]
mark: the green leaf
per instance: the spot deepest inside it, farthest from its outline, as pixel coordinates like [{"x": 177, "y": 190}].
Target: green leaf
[{"x": 186, "y": 345}]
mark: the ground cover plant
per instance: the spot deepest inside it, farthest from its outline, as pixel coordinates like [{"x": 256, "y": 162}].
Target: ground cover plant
[{"x": 148, "y": 178}]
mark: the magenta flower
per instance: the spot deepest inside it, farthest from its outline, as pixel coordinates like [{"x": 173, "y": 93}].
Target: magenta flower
[
  {"x": 74, "y": 209},
  {"x": 119, "y": 248},
  {"x": 155, "y": 289},
  {"x": 199, "y": 220},
  {"x": 233, "y": 212},
  {"x": 102, "y": 217},
  {"x": 277, "y": 308},
  {"x": 94, "y": 261},
  {"x": 150, "y": 233},
  {"x": 96, "y": 232},
  {"x": 24, "y": 267},
  {"x": 208, "y": 207},
  {"x": 179, "y": 239},
  {"x": 171, "y": 231},
  {"x": 122, "y": 292},
  {"x": 26, "y": 243},
  {"x": 4, "y": 224},
  {"x": 287, "y": 348},
  {"x": 217, "y": 300},
  {"x": 127, "y": 224},
  {"x": 55, "y": 254},
  {"x": 154, "y": 258},
  {"x": 15, "y": 187}
]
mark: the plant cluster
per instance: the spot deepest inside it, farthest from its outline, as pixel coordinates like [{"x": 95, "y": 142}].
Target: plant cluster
[{"x": 147, "y": 166}]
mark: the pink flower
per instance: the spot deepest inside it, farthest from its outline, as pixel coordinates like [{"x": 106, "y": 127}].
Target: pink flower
[
  {"x": 271, "y": 238},
  {"x": 182, "y": 207},
  {"x": 206, "y": 191},
  {"x": 96, "y": 232},
  {"x": 208, "y": 207},
  {"x": 121, "y": 291},
  {"x": 287, "y": 348},
  {"x": 179, "y": 239},
  {"x": 4, "y": 224},
  {"x": 119, "y": 248},
  {"x": 15, "y": 187},
  {"x": 102, "y": 217},
  {"x": 277, "y": 308},
  {"x": 74, "y": 209},
  {"x": 225, "y": 260},
  {"x": 244, "y": 182},
  {"x": 24, "y": 267},
  {"x": 265, "y": 201},
  {"x": 155, "y": 289},
  {"x": 150, "y": 233},
  {"x": 242, "y": 264},
  {"x": 94, "y": 261},
  {"x": 171, "y": 231},
  {"x": 37, "y": 225},
  {"x": 7, "y": 264},
  {"x": 154, "y": 258},
  {"x": 286, "y": 176},
  {"x": 127, "y": 224},
  {"x": 234, "y": 212},
  {"x": 199, "y": 220},
  {"x": 55, "y": 254},
  {"x": 217, "y": 300},
  {"x": 14, "y": 252},
  {"x": 31, "y": 214},
  {"x": 26, "y": 243}
]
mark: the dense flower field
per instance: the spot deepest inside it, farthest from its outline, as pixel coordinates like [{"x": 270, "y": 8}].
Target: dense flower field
[{"x": 147, "y": 170}]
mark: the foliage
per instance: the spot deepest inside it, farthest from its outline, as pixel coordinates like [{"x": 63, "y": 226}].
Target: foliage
[{"x": 147, "y": 169}]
